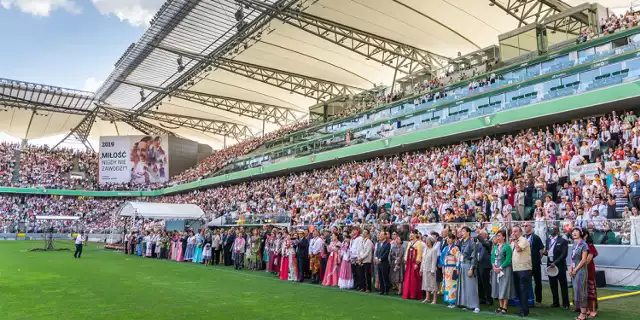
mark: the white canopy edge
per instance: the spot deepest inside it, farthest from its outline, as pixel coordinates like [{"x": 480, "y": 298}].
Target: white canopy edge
[
  {"x": 57, "y": 218},
  {"x": 160, "y": 210}
]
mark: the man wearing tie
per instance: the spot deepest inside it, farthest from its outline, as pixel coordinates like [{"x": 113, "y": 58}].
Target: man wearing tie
[
  {"x": 556, "y": 252},
  {"x": 383, "y": 248},
  {"x": 537, "y": 248}
]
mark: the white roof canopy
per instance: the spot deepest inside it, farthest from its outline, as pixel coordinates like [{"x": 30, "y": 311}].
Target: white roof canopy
[{"x": 161, "y": 210}]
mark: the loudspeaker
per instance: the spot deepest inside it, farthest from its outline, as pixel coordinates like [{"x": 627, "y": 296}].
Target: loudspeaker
[{"x": 601, "y": 281}]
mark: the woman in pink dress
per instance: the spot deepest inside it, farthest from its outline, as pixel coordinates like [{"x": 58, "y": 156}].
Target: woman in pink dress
[
  {"x": 284, "y": 265},
  {"x": 170, "y": 235},
  {"x": 345, "y": 280},
  {"x": 175, "y": 244},
  {"x": 333, "y": 263},
  {"x": 180, "y": 256}
]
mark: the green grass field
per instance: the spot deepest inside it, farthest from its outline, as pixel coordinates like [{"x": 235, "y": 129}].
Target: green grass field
[{"x": 109, "y": 285}]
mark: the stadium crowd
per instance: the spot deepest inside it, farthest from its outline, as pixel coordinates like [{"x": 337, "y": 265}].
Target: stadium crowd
[
  {"x": 223, "y": 157},
  {"x": 512, "y": 177},
  {"x": 7, "y": 162}
]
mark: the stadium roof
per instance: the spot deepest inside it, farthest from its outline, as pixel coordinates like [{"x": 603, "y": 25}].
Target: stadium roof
[{"x": 206, "y": 69}]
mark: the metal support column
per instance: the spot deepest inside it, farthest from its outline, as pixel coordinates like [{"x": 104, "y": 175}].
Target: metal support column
[{"x": 83, "y": 129}]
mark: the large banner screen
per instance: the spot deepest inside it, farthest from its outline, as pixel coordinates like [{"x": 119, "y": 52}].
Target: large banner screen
[{"x": 134, "y": 159}]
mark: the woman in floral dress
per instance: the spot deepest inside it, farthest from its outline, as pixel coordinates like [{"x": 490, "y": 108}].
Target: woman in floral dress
[
  {"x": 449, "y": 261},
  {"x": 255, "y": 262}
]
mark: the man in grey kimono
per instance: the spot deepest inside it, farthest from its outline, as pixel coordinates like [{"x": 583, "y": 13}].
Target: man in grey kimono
[{"x": 468, "y": 279}]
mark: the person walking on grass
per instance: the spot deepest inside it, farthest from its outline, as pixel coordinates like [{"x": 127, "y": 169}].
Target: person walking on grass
[{"x": 79, "y": 244}]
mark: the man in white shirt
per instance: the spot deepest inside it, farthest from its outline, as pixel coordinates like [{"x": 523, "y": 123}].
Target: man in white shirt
[
  {"x": 599, "y": 206},
  {"x": 365, "y": 258},
  {"x": 597, "y": 220},
  {"x": 356, "y": 243},
  {"x": 315, "y": 250},
  {"x": 79, "y": 243}
]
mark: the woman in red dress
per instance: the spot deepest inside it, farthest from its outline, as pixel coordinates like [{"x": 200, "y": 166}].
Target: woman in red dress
[
  {"x": 284, "y": 265},
  {"x": 412, "y": 288}
]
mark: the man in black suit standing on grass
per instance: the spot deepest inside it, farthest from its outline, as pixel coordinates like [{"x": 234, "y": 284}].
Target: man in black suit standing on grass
[
  {"x": 302, "y": 255},
  {"x": 556, "y": 251},
  {"x": 382, "y": 260}
]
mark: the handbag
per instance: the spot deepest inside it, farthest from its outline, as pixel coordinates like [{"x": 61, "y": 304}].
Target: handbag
[{"x": 454, "y": 276}]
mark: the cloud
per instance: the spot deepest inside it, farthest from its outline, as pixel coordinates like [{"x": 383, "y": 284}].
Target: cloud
[
  {"x": 41, "y": 8},
  {"x": 136, "y": 12},
  {"x": 92, "y": 84}
]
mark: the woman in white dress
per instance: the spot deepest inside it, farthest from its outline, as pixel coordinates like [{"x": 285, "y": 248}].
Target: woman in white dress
[
  {"x": 149, "y": 243},
  {"x": 428, "y": 268},
  {"x": 635, "y": 227},
  {"x": 540, "y": 217}
]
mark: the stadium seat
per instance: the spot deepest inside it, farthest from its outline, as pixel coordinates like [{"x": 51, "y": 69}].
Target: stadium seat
[{"x": 598, "y": 237}]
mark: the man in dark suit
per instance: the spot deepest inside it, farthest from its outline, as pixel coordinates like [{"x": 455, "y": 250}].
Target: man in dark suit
[
  {"x": 484, "y": 267},
  {"x": 556, "y": 251},
  {"x": 302, "y": 254},
  {"x": 537, "y": 248},
  {"x": 382, "y": 260},
  {"x": 228, "y": 241},
  {"x": 263, "y": 242}
]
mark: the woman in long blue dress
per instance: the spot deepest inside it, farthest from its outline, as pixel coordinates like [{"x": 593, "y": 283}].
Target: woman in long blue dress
[
  {"x": 197, "y": 252},
  {"x": 139, "y": 244},
  {"x": 578, "y": 272}
]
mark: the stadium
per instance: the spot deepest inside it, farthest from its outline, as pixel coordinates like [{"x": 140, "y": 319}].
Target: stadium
[{"x": 316, "y": 159}]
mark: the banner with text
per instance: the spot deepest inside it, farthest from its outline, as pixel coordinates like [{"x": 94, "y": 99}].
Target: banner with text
[
  {"x": 134, "y": 159},
  {"x": 589, "y": 170}
]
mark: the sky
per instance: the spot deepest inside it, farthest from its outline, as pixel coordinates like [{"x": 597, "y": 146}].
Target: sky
[{"x": 68, "y": 43}]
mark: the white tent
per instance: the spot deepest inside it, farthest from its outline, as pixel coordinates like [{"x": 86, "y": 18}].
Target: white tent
[{"x": 160, "y": 210}]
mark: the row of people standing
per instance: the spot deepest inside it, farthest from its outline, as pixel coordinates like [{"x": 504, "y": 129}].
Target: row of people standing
[
  {"x": 202, "y": 246},
  {"x": 467, "y": 271}
]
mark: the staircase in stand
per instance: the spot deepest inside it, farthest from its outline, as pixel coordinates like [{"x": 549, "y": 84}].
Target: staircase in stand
[{"x": 16, "y": 166}]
